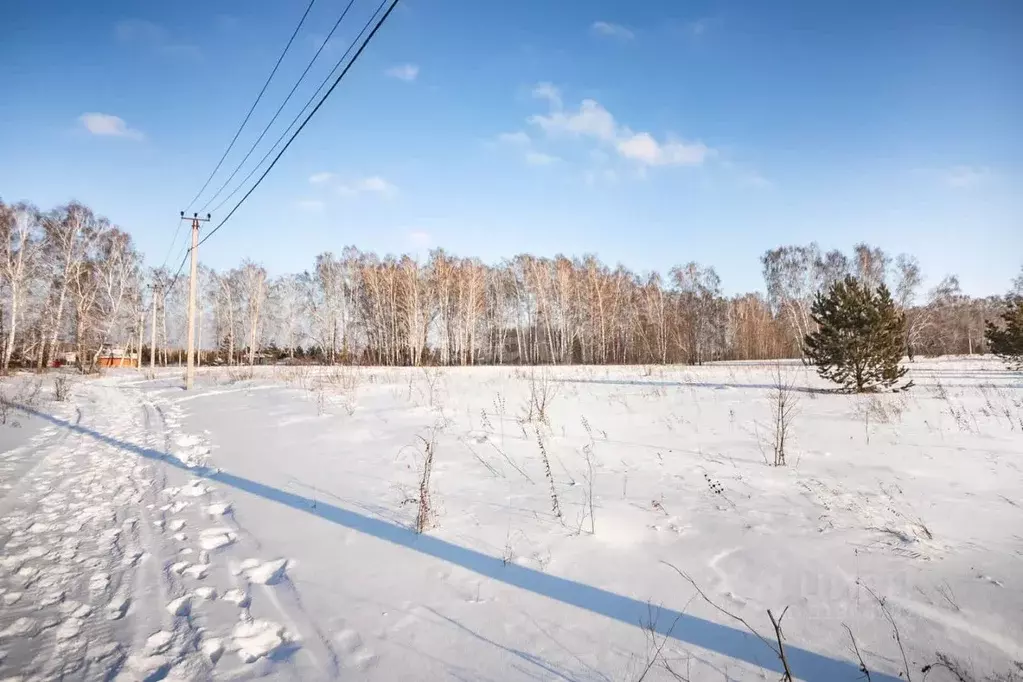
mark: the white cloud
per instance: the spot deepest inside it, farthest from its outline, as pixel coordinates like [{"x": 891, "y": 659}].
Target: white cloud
[
  {"x": 592, "y": 120},
  {"x": 644, "y": 148},
  {"x": 548, "y": 92},
  {"x": 108, "y": 125},
  {"x": 540, "y": 159},
  {"x": 419, "y": 239},
  {"x": 404, "y": 72},
  {"x": 517, "y": 138},
  {"x": 310, "y": 205},
  {"x": 965, "y": 176},
  {"x": 321, "y": 178},
  {"x": 609, "y": 30},
  {"x": 371, "y": 185}
]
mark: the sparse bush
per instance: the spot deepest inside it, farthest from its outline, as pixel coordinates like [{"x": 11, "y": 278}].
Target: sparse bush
[
  {"x": 542, "y": 390},
  {"x": 874, "y": 409},
  {"x": 783, "y": 409},
  {"x": 236, "y": 374},
  {"x": 343, "y": 377},
  {"x": 61, "y": 388},
  {"x": 860, "y": 337},
  {"x": 29, "y": 393}
]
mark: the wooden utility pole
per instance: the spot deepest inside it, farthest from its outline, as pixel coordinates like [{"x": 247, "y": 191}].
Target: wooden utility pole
[
  {"x": 142, "y": 329},
  {"x": 192, "y": 285},
  {"x": 152, "y": 340}
]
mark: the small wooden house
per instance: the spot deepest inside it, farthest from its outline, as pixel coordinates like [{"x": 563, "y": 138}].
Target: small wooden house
[{"x": 116, "y": 357}]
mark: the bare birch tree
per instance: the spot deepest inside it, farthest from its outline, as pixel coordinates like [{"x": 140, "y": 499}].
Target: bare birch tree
[{"x": 19, "y": 252}]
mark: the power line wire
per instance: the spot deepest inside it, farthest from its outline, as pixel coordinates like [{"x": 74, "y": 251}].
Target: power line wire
[
  {"x": 298, "y": 116},
  {"x": 280, "y": 108},
  {"x": 319, "y": 104},
  {"x": 177, "y": 274},
  {"x": 253, "y": 107},
  {"x": 177, "y": 229},
  {"x": 170, "y": 249},
  {"x": 312, "y": 113}
]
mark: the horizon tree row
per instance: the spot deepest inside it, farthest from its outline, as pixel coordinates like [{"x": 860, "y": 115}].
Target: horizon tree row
[{"x": 71, "y": 285}]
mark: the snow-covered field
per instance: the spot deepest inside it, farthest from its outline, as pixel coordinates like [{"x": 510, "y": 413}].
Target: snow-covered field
[{"x": 260, "y": 525}]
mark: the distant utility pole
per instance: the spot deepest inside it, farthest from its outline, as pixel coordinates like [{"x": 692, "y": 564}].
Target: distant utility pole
[
  {"x": 152, "y": 340},
  {"x": 192, "y": 282}
]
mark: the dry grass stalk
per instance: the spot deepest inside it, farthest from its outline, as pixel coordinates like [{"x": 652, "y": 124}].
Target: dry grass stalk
[
  {"x": 424, "y": 512},
  {"x": 555, "y": 507},
  {"x": 778, "y": 650},
  {"x": 883, "y": 603}
]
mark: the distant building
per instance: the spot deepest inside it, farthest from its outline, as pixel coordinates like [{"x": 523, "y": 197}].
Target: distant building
[
  {"x": 64, "y": 358},
  {"x": 117, "y": 357}
]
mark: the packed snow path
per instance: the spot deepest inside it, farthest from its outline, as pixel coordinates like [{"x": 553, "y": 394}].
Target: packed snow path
[
  {"x": 117, "y": 566},
  {"x": 258, "y": 527}
]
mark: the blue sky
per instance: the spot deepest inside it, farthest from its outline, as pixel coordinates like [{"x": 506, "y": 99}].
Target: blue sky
[{"x": 649, "y": 133}]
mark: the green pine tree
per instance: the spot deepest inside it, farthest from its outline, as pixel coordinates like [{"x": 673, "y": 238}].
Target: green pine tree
[
  {"x": 1007, "y": 342},
  {"x": 860, "y": 338}
]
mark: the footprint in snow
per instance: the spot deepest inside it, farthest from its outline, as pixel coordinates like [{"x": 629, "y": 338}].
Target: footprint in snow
[
  {"x": 104, "y": 651},
  {"x": 215, "y": 538},
  {"x": 218, "y": 509},
  {"x": 991, "y": 580},
  {"x": 69, "y": 629},
  {"x": 213, "y": 649},
  {"x": 268, "y": 573},
  {"x": 118, "y": 605},
  {"x": 51, "y": 599},
  {"x": 196, "y": 489},
  {"x": 159, "y": 641},
  {"x": 237, "y": 597},
  {"x": 197, "y": 571},
  {"x": 205, "y": 593},
  {"x": 181, "y": 606},
  {"x": 347, "y": 640},
  {"x": 354, "y": 654},
  {"x": 363, "y": 660},
  {"x": 255, "y": 639},
  {"x": 22, "y": 627}
]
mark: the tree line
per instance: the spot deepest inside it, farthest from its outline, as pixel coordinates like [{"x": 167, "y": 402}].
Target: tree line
[{"x": 72, "y": 283}]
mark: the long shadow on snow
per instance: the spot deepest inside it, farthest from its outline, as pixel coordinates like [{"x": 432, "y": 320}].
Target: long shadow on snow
[
  {"x": 727, "y": 386},
  {"x": 684, "y": 384},
  {"x": 723, "y": 639}
]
